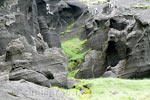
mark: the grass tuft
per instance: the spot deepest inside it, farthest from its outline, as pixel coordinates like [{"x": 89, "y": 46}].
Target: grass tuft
[
  {"x": 94, "y": 2},
  {"x": 72, "y": 48},
  {"x": 141, "y": 6},
  {"x": 68, "y": 29}
]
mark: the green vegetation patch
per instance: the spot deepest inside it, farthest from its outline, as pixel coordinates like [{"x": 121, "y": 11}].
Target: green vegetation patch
[
  {"x": 94, "y": 2},
  {"x": 72, "y": 48},
  {"x": 142, "y": 6},
  {"x": 110, "y": 89},
  {"x": 68, "y": 29}
]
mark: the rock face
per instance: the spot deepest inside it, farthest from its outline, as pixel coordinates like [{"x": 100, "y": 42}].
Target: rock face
[
  {"x": 42, "y": 66},
  {"x": 23, "y": 90},
  {"x": 119, "y": 33},
  {"x": 21, "y": 17},
  {"x": 92, "y": 66},
  {"x": 29, "y": 49},
  {"x": 66, "y": 16}
]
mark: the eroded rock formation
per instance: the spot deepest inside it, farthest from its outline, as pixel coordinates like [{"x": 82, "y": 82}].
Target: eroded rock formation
[
  {"x": 30, "y": 47},
  {"x": 117, "y": 34}
]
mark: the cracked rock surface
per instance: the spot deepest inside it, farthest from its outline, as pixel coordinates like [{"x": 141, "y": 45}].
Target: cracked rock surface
[{"x": 118, "y": 32}]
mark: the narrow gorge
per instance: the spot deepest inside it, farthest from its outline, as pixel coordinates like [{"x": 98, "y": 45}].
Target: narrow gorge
[{"x": 49, "y": 47}]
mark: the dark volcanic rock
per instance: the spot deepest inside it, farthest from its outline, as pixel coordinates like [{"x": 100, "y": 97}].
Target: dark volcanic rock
[
  {"x": 92, "y": 66},
  {"x": 120, "y": 33},
  {"x": 50, "y": 36},
  {"x": 109, "y": 74},
  {"x": 31, "y": 50},
  {"x": 27, "y": 54},
  {"x": 23, "y": 90},
  {"x": 20, "y": 17},
  {"x": 115, "y": 71},
  {"x": 48, "y": 66},
  {"x": 31, "y": 76},
  {"x": 66, "y": 16},
  {"x": 30, "y": 47}
]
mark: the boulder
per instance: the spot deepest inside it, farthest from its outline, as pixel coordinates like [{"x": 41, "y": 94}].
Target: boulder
[
  {"x": 31, "y": 76},
  {"x": 109, "y": 74},
  {"x": 115, "y": 71},
  {"x": 92, "y": 66},
  {"x": 23, "y": 90}
]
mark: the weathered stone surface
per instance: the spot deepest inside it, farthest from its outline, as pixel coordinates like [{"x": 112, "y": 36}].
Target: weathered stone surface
[
  {"x": 115, "y": 71},
  {"x": 44, "y": 67},
  {"x": 50, "y": 36},
  {"x": 30, "y": 50},
  {"x": 109, "y": 74},
  {"x": 31, "y": 76},
  {"x": 116, "y": 33},
  {"x": 92, "y": 66},
  {"x": 20, "y": 18},
  {"x": 24, "y": 50},
  {"x": 66, "y": 16},
  {"x": 23, "y": 90},
  {"x": 120, "y": 33},
  {"x": 71, "y": 83}
]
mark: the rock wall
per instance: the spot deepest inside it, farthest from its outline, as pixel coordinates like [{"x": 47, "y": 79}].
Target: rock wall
[
  {"x": 29, "y": 49},
  {"x": 31, "y": 52},
  {"x": 66, "y": 17},
  {"x": 120, "y": 36},
  {"x": 20, "y": 18}
]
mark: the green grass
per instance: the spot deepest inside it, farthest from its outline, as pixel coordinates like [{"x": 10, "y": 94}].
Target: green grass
[
  {"x": 95, "y": 2},
  {"x": 72, "y": 48},
  {"x": 68, "y": 29},
  {"x": 110, "y": 89},
  {"x": 141, "y": 6}
]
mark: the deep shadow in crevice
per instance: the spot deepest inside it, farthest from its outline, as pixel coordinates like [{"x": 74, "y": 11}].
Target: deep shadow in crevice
[
  {"x": 30, "y": 9},
  {"x": 2, "y": 2},
  {"x": 41, "y": 6},
  {"x": 76, "y": 11},
  {"x": 141, "y": 75},
  {"x": 48, "y": 74},
  {"x": 112, "y": 55}
]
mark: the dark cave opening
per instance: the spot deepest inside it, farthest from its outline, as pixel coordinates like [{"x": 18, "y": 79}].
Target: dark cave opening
[
  {"x": 76, "y": 11},
  {"x": 71, "y": 12},
  {"x": 66, "y": 12},
  {"x": 112, "y": 55}
]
